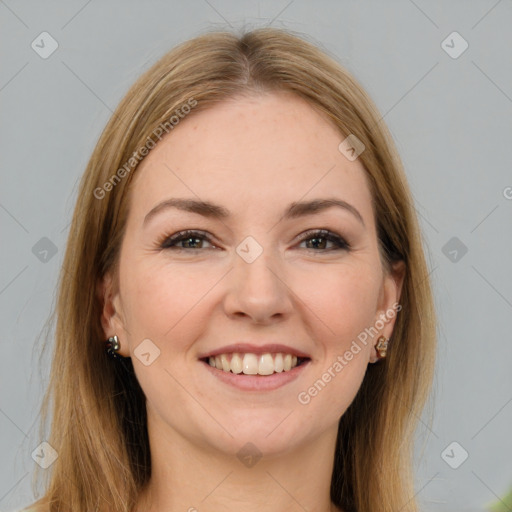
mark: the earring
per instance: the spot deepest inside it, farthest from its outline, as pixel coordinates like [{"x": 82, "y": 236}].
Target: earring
[
  {"x": 112, "y": 346},
  {"x": 381, "y": 347}
]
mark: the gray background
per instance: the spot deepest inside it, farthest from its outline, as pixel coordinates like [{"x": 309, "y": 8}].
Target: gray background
[{"x": 451, "y": 119}]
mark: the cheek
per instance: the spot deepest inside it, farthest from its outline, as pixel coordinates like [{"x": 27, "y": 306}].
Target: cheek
[
  {"x": 345, "y": 300},
  {"x": 163, "y": 301}
]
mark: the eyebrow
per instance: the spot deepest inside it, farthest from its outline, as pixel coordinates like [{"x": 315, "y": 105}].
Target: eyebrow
[{"x": 211, "y": 210}]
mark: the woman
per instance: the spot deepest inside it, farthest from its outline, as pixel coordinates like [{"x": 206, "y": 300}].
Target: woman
[{"x": 244, "y": 239}]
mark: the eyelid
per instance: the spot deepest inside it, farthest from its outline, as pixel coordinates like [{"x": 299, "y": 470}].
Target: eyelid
[
  {"x": 184, "y": 235},
  {"x": 340, "y": 241},
  {"x": 328, "y": 235}
]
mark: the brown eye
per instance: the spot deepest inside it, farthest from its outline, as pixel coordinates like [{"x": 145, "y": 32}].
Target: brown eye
[
  {"x": 190, "y": 240},
  {"x": 320, "y": 238}
]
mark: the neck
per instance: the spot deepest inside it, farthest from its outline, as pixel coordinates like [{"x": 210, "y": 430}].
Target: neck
[{"x": 186, "y": 477}]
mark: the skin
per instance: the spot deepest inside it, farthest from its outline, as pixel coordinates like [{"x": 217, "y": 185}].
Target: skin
[{"x": 254, "y": 156}]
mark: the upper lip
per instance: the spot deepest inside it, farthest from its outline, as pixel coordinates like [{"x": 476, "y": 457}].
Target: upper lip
[{"x": 244, "y": 348}]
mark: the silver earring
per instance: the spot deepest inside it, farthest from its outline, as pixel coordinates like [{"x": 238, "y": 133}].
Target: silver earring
[{"x": 112, "y": 347}]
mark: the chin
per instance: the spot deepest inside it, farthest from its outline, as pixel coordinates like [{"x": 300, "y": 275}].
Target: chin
[{"x": 267, "y": 434}]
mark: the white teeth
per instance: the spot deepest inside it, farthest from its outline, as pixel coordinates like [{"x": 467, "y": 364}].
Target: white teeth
[
  {"x": 279, "y": 363},
  {"x": 225, "y": 363},
  {"x": 252, "y": 364},
  {"x": 236, "y": 364},
  {"x": 266, "y": 365}
]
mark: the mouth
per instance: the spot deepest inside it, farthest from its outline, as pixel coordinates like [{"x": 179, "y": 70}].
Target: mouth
[{"x": 262, "y": 365}]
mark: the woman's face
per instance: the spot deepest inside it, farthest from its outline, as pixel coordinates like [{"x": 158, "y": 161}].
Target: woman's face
[{"x": 250, "y": 274}]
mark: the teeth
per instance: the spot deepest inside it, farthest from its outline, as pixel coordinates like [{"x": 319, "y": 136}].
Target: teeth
[
  {"x": 235, "y": 365},
  {"x": 252, "y": 364},
  {"x": 279, "y": 363},
  {"x": 266, "y": 365},
  {"x": 225, "y": 363}
]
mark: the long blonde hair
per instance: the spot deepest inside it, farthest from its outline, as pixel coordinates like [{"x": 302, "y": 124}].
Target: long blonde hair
[{"x": 97, "y": 408}]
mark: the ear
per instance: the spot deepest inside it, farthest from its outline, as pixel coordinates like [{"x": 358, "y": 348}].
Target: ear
[
  {"x": 388, "y": 307},
  {"x": 112, "y": 318}
]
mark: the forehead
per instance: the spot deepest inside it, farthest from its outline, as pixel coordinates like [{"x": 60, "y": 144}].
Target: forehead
[{"x": 251, "y": 152}]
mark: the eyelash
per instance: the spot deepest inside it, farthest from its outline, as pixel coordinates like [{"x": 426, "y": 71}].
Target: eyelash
[{"x": 169, "y": 242}]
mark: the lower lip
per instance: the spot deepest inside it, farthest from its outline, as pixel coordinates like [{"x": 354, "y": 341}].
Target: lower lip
[{"x": 257, "y": 382}]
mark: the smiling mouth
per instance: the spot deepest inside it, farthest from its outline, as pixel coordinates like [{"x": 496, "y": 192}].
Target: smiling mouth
[{"x": 255, "y": 364}]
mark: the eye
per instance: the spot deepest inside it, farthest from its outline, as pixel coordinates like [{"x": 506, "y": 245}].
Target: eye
[
  {"x": 190, "y": 237},
  {"x": 193, "y": 239},
  {"x": 319, "y": 239}
]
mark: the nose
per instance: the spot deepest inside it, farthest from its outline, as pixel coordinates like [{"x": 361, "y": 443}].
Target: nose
[{"x": 258, "y": 290}]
